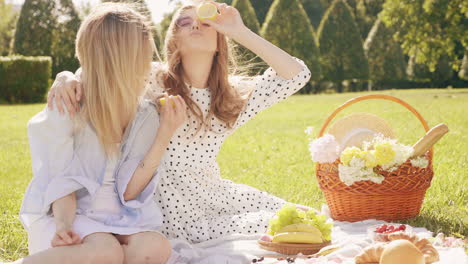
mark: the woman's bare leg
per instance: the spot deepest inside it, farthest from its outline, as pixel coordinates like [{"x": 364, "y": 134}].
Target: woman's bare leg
[
  {"x": 145, "y": 247},
  {"x": 97, "y": 248}
]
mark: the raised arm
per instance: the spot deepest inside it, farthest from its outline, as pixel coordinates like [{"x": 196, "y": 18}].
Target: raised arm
[
  {"x": 230, "y": 23},
  {"x": 171, "y": 117}
]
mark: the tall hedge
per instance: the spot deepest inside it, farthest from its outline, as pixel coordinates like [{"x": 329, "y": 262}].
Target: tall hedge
[
  {"x": 294, "y": 35},
  {"x": 341, "y": 48},
  {"x": 250, "y": 20},
  {"x": 24, "y": 79},
  {"x": 315, "y": 10},
  {"x": 248, "y": 14},
  {"x": 48, "y": 28},
  {"x": 261, "y": 9},
  {"x": 386, "y": 59}
]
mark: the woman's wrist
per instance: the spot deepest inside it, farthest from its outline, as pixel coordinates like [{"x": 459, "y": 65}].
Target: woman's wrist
[
  {"x": 242, "y": 35},
  {"x": 62, "y": 224}
]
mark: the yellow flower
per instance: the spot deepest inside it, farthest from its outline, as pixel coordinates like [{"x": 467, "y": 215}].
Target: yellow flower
[
  {"x": 349, "y": 153},
  {"x": 369, "y": 158},
  {"x": 384, "y": 153}
]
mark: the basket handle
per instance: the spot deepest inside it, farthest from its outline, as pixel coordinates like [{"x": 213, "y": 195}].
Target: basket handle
[{"x": 374, "y": 96}]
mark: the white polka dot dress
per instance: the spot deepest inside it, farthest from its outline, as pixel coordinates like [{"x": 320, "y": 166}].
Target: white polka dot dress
[{"x": 197, "y": 204}]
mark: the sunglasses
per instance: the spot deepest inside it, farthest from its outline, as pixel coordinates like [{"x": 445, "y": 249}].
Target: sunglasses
[{"x": 186, "y": 21}]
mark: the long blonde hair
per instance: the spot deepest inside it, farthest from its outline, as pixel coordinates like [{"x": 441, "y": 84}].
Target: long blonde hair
[
  {"x": 226, "y": 101},
  {"x": 115, "y": 48}
]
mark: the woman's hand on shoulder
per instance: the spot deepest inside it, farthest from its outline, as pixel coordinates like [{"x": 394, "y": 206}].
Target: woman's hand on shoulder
[{"x": 67, "y": 89}]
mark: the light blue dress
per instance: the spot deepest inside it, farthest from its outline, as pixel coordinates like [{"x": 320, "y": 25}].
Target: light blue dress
[{"x": 67, "y": 157}]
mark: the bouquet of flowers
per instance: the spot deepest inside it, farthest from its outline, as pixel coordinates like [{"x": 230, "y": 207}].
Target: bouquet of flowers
[{"x": 361, "y": 163}]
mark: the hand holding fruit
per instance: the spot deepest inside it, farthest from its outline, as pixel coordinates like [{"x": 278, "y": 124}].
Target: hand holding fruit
[
  {"x": 228, "y": 22},
  {"x": 173, "y": 113}
]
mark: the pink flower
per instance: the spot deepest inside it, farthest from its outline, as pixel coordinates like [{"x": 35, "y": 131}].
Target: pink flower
[{"x": 325, "y": 149}]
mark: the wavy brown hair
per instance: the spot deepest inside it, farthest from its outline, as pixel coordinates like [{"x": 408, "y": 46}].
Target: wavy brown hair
[{"x": 226, "y": 101}]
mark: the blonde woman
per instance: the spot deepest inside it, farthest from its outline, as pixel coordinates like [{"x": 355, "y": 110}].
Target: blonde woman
[
  {"x": 198, "y": 205},
  {"x": 91, "y": 197}
]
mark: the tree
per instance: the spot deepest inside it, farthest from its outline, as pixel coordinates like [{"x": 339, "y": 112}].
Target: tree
[
  {"x": 385, "y": 57},
  {"x": 295, "y": 36},
  {"x": 365, "y": 13},
  {"x": 84, "y": 9},
  {"x": 463, "y": 74},
  {"x": 315, "y": 10},
  {"x": 421, "y": 73},
  {"x": 246, "y": 57},
  {"x": 35, "y": 27},
  {"x": 248, "y": 14},
  {"x": 428, "y": 29},
  {"x": 341, "y": 48},
  {"x": 64, "y": 35},
  {"x": 8, "y": 19},
  {"x": 48, "y": 28},
  {"x": 261, "y": 8}
]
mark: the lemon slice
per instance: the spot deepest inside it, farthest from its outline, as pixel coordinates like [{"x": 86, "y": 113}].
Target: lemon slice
[
  {"x": 207, "y": 11},
  {"x": 162, "y": 101}
]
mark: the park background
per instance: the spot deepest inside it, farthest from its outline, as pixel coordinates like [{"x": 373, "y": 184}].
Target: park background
[{"x": 416, "y": 50}]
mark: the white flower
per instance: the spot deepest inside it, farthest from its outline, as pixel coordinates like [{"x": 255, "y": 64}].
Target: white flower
[
  {"x": 309, "y": 130},
  {"x": 357, "y": 171},
  {"x": 402, "y": 152},
  {"x": 324, "y": 149},
  {"x": 420, "y": 162}
]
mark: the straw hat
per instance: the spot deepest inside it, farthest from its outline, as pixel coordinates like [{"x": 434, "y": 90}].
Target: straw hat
[{"x": 356, "y": 128}]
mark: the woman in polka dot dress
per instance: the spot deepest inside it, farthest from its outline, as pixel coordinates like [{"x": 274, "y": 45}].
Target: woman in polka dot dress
[{"x": 197, "y": 204}]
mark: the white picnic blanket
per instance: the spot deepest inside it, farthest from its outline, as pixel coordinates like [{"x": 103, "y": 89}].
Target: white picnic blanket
[{"x": 239, "y": 249}]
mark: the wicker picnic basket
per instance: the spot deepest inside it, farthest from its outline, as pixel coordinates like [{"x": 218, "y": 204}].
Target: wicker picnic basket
[{"x": 398, "y": 197}]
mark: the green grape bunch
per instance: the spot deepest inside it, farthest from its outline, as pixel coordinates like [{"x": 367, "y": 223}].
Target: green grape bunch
[{"x": 289, "y": 214}]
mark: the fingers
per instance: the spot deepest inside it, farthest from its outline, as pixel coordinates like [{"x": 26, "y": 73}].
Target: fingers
[
  {"x": 76, "y": 239},
  {"x": 165, "y": 109},
  {"x": 79, "y": 91},
  {"x": 57, "y": 241},
  {"x": 50, "y": 97},
  {"x": 58, "y": 103},
  {"x": 64, "y": 235},
  {"x": 71, "y": 94},
  {"x": 68, "y": 104}
]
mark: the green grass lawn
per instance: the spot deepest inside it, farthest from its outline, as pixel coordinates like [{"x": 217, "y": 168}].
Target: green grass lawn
[{"x": 271, "y": 154}]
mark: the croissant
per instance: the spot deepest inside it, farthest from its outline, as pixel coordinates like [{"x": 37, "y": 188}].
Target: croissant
[
  {"x": 412, "y": 237},
  {"x": 371, "y": 254},
  {"x": 425, "y": 246}
]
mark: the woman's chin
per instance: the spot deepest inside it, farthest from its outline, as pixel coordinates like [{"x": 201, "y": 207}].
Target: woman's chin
[{"x": 201, "y": 48}]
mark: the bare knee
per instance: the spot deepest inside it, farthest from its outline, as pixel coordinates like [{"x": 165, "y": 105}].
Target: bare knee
[
  {"x": 147, "y": 248},
  {"x": 105, "y": 249}
]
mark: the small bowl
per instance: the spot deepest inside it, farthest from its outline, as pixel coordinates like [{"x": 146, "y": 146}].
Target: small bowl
[{"x": 383, "y": 237}]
